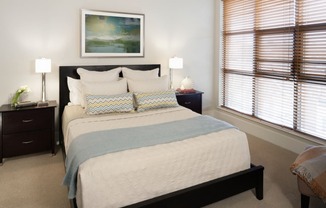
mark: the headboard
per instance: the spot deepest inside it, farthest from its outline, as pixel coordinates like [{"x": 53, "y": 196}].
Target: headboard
[{"x": 71, "y": 71}]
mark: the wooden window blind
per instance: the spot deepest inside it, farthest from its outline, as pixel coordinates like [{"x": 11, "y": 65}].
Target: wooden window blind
[{"x": 274, "y": 62}]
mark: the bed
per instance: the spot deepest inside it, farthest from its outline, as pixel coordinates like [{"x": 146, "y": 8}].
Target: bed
[{"x": 204, "y": 169}]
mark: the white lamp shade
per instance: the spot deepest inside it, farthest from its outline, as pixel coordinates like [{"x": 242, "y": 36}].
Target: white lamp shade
[
  {"x": 175, "y": 63},
  {"x": 42, "y": 65}
]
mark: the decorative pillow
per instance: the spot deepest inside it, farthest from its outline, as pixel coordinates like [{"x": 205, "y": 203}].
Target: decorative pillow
[
  {"x": 139, "y": 74},
  {"x": 101, "y": 104},
  {"x": 149, "y": 85},
  {"x": 75, "y": 91},
  {"x": 99, "y": 76},
  {"x": 155, "y": 100},
  {"x": 104, "y": 88}
]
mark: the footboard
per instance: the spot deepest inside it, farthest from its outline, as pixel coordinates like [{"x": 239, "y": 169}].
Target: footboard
[{"x": 209, "y": 192}]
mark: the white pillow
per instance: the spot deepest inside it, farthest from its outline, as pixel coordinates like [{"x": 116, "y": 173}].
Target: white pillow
[
  {"x": 139, "y": 74},
  {"x": 75, "y": 91},
  {"x": 99, "y": 76},
  {"x": 149, "y": 85},
  {"x": 103, "y": 88}
]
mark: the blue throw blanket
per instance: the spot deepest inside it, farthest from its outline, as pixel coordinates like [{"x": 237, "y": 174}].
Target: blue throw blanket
[{"x": 94, "y": 144}]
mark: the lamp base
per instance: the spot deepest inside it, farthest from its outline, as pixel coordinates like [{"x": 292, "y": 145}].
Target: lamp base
[{"x": 42, "y": 103}]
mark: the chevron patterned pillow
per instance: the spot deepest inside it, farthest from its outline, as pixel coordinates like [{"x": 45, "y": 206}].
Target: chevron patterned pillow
[
  {"x": 101, "y": 104},
  {"x": 155, "y": 100}
]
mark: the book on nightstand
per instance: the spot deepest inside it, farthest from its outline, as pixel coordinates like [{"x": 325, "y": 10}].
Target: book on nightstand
[{"x": 25, "y": 104}]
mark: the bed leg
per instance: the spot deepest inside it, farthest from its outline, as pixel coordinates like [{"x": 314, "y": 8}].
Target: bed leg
[
  {"x": 259, "y": 192},
  {"x": 260, "y": 185},
  {"x": 73, "y": 203}
]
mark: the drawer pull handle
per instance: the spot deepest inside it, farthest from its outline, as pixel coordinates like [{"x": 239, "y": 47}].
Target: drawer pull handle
[
  {"x": 27, "y": 120},
  {"x": 28, "y": 142},
  {"x": 187, "y": 103}
]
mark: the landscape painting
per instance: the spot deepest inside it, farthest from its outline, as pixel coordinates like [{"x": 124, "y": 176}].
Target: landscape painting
[{"x": 109, "y": 34}]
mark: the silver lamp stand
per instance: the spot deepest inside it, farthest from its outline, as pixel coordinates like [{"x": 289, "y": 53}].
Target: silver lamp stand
[{"x": 43, "y": 102}]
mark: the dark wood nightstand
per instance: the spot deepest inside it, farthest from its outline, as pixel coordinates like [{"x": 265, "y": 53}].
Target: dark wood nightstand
[
  {"x": 26, "y": 130},
  {"x": 193, "y": 101}
]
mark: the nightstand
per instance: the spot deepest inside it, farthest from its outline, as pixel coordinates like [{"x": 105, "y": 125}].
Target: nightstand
[
  {"x": 26, "y": 130},
  {"x": 193, "y": 101}
]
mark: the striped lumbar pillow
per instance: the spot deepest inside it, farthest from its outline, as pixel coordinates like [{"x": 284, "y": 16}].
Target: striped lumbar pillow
[
  {"x": 155, "y": 100},
  {"x": 100, "y": 104}
]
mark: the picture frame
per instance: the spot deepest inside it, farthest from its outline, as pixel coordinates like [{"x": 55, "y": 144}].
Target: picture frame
[{"x": 111, "y": 34}]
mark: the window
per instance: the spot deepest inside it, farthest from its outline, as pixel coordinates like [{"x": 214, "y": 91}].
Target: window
[{"x": 274, "y": 62}]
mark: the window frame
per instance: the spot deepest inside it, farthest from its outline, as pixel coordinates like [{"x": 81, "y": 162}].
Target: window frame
[{"x": 291, "y": 75}]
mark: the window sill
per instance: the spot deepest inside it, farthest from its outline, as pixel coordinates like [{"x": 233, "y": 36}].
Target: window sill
[{"x": 248, "y": 121}]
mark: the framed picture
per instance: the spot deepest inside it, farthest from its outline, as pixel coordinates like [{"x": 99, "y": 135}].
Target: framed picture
[{"x": 111, "y": 34}]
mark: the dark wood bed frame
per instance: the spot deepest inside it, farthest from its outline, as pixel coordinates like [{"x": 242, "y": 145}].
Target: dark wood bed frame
[{"x": 195, "y": 196}]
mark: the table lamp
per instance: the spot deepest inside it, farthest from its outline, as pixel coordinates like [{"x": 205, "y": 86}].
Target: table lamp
[{"x": 43, "y": 66}]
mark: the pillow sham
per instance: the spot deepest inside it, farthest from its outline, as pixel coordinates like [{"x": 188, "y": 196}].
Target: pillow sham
[
  {"x": 75, "y": 91},
  {"x": 102, "y": 104},
  {"x": 99, "y": 76},
  {"x": 149, "y": 85},
  {"x": 103, "y": 88},
  {"x": 155, "y": 100},
  {"x": 139, "y": 74}
]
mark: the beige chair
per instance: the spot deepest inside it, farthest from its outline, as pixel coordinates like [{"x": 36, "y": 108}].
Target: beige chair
[{"x": 308, "y": 163}]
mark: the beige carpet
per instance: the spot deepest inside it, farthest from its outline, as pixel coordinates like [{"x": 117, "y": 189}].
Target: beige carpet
[{"x": 34, "y": 181}]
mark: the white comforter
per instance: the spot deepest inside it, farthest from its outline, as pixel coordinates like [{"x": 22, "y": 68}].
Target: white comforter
[{"x": 126, "y": 177}]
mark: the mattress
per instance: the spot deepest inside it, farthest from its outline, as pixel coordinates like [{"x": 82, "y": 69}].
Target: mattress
[{"x": 127, "y": 177}]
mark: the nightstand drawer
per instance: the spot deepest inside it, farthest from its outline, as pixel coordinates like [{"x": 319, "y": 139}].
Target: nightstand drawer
[
  {"x": 188, "y": 103},
  {"x": 27, "y": 142},
  {"x": 20, "y": 121}
]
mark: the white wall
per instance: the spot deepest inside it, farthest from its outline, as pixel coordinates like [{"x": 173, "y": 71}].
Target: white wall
[{"x": 37, "y": 28}]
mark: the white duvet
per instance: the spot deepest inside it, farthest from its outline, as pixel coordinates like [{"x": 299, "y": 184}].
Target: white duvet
[{"x": 127, "y": 177}]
